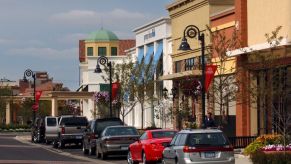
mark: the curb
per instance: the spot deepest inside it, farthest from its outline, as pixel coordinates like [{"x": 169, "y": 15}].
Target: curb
[{"x": 25, "y": 139}]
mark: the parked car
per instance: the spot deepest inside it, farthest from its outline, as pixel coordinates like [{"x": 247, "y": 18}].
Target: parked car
[
  {"x": 150, "y": 146},
  {"x": 51, "y": 128},
  {"x": 38, "y": 130},
  {"x": 115, "y": 140},
  {"x": 94, "y": 130},
  {"x": 70, "y": 130},
  {"x": 199, "y": 146}
]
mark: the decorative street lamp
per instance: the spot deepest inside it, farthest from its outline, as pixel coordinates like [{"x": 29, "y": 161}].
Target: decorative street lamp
[
  {"x": 192, "y": 31},
  {"x": 104, "y": 60},
  {"x": 28, "y": 73}
]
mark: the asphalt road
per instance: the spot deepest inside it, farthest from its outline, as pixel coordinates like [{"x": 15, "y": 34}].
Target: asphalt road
[{"x": 13, "y": 151}]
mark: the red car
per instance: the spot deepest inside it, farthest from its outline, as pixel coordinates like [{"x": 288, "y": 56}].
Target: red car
[{"x": 150, "y": 146}]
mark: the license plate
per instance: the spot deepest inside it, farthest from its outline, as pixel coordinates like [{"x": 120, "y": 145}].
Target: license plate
[
  {"x": 124, "y": 148},
  {"x": 79, "y": 137},
  {"x": 209, "y": 154}
]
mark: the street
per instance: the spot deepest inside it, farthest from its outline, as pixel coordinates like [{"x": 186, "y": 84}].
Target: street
[{"x": 19, "y": 150}]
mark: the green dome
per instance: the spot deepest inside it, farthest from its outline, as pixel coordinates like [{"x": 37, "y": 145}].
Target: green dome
[{"x": 102, "y": 35}]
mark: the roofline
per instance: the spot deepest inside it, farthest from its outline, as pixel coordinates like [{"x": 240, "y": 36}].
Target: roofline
[{"x": 161, "y": 19}]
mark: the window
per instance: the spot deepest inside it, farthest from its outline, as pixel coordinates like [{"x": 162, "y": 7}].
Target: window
[
  {"x": 178, "y": 66},
  {"x": 51, "y": 121},
  {"x": 163, "y": 134},
  {"x": 101, "y": 51},
  {"x": 207, "y": 139},
  {"x": 89, "y": 51},
  {"x": 113, "y": 51},
  {"x": 189, "y": 64},
  {"x": 143, "y": 136}
]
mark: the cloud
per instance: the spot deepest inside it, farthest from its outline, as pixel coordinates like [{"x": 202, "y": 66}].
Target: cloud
[
  {"x": 45, "y": 53},
  {"x": 89, "y": 17},
  {"x": 6, "y": 41},
  {"x": 72, "y": 39}
]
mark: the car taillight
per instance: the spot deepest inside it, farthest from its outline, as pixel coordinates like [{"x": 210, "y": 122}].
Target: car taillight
[
  {"x": 63, "y": 130},
  {"x": 188, "y": 149}
]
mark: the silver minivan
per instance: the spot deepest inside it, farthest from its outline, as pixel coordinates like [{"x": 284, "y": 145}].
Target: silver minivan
[
  {"x": 197, "y": 146},
  {"x": 51, "y": 128}
]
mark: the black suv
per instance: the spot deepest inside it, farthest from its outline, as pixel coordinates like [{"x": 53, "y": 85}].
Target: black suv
[
  {"x": 38, "y": 130},
  {"x": 94, "y": 130}
]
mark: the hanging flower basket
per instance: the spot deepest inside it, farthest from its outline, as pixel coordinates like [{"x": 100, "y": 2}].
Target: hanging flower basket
[{"x": 101, "y": 97}]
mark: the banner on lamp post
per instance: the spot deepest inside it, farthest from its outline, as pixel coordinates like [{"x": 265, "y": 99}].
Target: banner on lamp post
[
  {"x": 37, "y": 95},
  {"x": 35, "y": 107},
  {"x": 209, "y": 75},
  {"x": 115, "y": 87}
]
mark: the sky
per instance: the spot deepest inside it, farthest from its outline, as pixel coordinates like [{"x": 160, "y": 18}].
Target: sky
[{"x": 43, "y": 35}]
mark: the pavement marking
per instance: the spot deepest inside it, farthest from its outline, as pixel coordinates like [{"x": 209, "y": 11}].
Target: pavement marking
[
  {"x": 41, "y": 162},
  {"x": 26, "y": 140},
  {"x": 18, "y": 146}
]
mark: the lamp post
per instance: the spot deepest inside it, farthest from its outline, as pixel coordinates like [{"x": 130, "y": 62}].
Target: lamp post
[
  {"x": 192, "y": 31},
  {"x": 28, "y": 73},
  {"x": 104, "y": 60}
]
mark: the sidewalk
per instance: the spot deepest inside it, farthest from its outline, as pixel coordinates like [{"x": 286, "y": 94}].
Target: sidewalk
[{"x": 240, "y": 158}]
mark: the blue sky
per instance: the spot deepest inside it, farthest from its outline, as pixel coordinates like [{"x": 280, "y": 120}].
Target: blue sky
[{"x": 43, "y": 34}]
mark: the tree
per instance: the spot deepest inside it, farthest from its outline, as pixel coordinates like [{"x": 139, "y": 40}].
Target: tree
[
  {"x": 224, "y": 89},
  {"x": 136, "y": 84}
]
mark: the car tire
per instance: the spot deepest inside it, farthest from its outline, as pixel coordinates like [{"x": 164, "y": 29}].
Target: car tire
[
  {"x": 144, "y": 160},
  {"x": 92, "y": 150},
  {"x": 61, "y": 144},
  {"x": 129, "y": 159},
  {"x": 55, "y": 144},
  {"x": 103, "y": 155},
  {"x": 85, "y": 151}
]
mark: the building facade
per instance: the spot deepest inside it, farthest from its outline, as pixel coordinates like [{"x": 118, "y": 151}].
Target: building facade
[
  {"x": 99, "y": 43},
  {"x": 153, "y": 40}
]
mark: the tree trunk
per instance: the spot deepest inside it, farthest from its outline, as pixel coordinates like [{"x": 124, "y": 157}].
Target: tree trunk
[{"x": 142, "y": 115}]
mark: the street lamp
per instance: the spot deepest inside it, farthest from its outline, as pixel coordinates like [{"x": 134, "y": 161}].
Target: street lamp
[
  {"x": 192, "y": 31},
  {"x": 104, "y": 60},
  {"x": 28, "y": 73}
]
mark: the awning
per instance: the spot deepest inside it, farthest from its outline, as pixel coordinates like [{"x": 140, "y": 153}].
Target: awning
[
  {"x": 158, "y": 53},
  {"x": 180, "y": 75},
  {"x": 150, "y": 52},
  {"x": 140, "y": 54}
]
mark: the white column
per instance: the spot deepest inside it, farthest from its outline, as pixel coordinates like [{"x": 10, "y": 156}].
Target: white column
[
  {"x": 8, "y": 114},
  {"x": 54, "y": 107}
]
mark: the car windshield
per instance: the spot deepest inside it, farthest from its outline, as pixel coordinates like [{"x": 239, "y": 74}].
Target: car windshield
[
  {"x": 100, "y": 126},
  {"x": 74, "y": 121},
  {"x": 206, "y": 139},
  {"x": 120, "y": 131},
  {"x": 51, "y": 121},
  {"x": 163, "y": 134}
]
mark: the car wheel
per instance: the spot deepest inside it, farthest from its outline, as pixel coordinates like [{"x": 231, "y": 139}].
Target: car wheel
[
  {"x": 61, "y": 144},
  {"x": 85, "y": 151},
  {"x": 129, "y": 159},
  {"x": 103, "y": 155},
  {"x": 55, "y": 144},
  {"x": 163, "y": 161},
  {"x": 92, "y": 151},
  {"x": 144, "y": 159}
]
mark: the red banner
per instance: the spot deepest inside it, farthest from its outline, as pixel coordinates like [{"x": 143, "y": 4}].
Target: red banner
[
  {"x": 209, "y": 75},
  {"x": 115, "y": 87},
  {"x": 35, "y": 107},
  {"x": 37, "y": 95}
]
